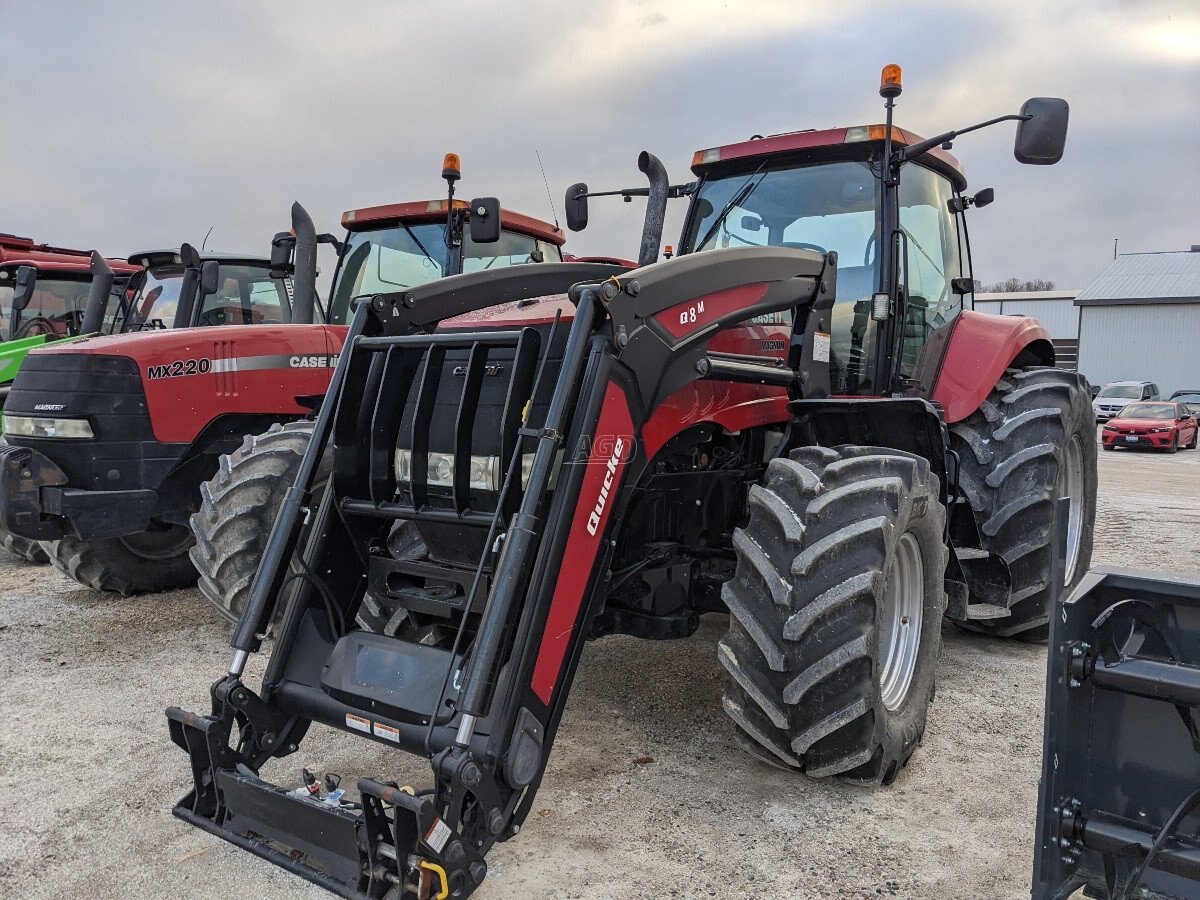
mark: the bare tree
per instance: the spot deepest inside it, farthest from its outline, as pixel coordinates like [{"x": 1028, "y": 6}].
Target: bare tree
[{"x": 1019, "y": 285}]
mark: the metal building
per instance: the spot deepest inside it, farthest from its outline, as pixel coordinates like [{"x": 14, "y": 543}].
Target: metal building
[
  {"x": 1056, "y": 311},
  {"x": 1139, "y": 320}
]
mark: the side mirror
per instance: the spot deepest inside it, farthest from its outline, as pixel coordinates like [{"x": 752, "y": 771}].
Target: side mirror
[
  {"x": 577, "y": 206},
  {"x": 23, "y": 287},
  {"x": 983, "y": 198},
  {"x": 485, "y": 220},
  {"x": 210, "y": 272},
  {"x": 281, "y": 254},
  {"x": 1042, "y": 135}
]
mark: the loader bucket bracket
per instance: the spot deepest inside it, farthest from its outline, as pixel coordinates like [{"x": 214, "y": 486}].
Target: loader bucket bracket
[{"x": 1121, "y": 760}]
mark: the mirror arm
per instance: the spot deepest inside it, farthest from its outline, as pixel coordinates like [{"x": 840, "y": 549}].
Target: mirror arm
[
  {"x": 915, "y": 150},
  {"x": 673, "y": 191}
]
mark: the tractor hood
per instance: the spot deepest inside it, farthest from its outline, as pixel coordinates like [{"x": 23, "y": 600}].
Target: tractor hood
[{"x": 189, "y": 377}]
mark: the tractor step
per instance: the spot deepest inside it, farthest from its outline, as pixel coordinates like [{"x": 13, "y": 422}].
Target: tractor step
[{"x": 385, "y": 676}]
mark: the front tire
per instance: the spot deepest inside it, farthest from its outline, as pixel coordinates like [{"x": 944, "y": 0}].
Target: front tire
[
  {"x": 24, "y": 548},
  {"x": 20, "y": 547},
  {"x": 835, "y": 612},
  {"x": 152, "y": 561},
  {"x": 238, "y": 507},
  {"x": 1030, "y": 443}
]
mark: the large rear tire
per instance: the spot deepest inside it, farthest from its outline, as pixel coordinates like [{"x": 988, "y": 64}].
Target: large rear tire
[
  {"x": 238, "y": 507},
  {"x": 1031, "y": 442},
  {"x": 835, "y": 612},
  {"x": 155, "y": 560}
]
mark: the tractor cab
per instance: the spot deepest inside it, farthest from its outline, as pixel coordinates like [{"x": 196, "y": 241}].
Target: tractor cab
[
  {"x": 890, "y": 204},
  {"x": 44, "y": 291},
  {"x": 186, "y": 288},
  {"x": 401, "y": 245},
  {"x": 820, "y": 190}
]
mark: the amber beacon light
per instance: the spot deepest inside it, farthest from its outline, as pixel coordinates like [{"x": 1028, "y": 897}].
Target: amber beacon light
[{"x": 889, "y": 81}]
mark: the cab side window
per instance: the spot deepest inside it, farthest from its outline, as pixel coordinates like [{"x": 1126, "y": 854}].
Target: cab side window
[{"x": 929, "y": 254}]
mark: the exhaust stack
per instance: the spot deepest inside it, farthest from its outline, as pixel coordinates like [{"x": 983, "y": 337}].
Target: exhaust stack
[
  {"x": 97, "y": 299},
  {"x": 656, "y": 207},
  {"x": 304, "y": 277}
]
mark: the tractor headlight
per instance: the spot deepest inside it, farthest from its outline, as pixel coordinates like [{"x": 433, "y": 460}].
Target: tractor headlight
[
  {"x": 484, "y": 471},
  {"x": 44, "y": 427}
]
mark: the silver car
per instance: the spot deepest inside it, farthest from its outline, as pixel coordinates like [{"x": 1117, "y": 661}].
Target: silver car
[{"x": 1116, "y": 396}]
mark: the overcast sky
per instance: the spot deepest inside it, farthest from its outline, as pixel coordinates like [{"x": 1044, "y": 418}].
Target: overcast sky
[{"x": 139, "y": 124}]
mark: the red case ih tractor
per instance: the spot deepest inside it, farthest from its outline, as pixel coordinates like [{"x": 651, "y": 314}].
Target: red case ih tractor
[
  {"x": 167, "y": 411},
  {"x": 793, "y": 420},
  {"x": 106, "y": 448}
]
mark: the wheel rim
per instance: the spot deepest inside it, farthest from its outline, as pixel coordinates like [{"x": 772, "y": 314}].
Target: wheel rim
[
  {"x": 159, "y": 544},
  {"x": 903, "y": 609},
  {"x": 1070, "y": 485}
]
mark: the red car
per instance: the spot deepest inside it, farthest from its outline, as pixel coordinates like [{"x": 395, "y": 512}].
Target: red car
[{"x": 1159, "y": 425}]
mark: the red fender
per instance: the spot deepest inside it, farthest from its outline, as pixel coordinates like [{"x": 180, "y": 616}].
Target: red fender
[{"x": 980, "y": 348}]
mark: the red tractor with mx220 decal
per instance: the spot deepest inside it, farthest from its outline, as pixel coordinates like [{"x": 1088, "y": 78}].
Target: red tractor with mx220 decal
[
  {"x": 116, "y": 502},
  {"x": 525, "y": 459}
]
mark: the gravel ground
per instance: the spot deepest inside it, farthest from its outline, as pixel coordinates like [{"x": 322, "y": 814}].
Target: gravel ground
[{"x": 88, "y": 774}]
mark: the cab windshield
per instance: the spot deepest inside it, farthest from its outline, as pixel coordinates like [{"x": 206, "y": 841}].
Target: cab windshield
[
  {"x": 405, "y": 255},
  {"x": 55, "y": 308},
  {"x": 246, "y": 295},
  {"x": 830, "y": 206},
  {"x": 833, "y": 206}
]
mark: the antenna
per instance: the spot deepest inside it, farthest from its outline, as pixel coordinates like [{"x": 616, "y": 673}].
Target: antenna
[
  {"x": 546, "y": 181},
  {"x": 206, "y": 234},
  {"x": 1115, "y": 241}
]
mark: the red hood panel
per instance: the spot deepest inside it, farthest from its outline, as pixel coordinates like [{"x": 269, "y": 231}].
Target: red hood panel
[{"x": 192, "y": 376}]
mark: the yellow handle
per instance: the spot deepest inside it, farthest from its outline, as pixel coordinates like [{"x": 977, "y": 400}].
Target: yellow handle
[{"x": 441, "y": 873}]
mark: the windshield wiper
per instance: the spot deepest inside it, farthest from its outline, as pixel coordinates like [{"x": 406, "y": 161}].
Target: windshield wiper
[
  {"x": 736, "y": 200},
  {"x": 417, "y": 241}
]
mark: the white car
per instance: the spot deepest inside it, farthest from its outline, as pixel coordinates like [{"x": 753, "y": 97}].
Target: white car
[{"x": 1116, "y": 396}]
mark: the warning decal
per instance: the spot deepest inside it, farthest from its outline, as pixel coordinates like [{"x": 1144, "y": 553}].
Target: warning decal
[
  {"x": 437, "y": 835},
  {"x": 358, "y": 723},
  {"x": 820, "y": 347},
  {"x": 387, "y": 732}
]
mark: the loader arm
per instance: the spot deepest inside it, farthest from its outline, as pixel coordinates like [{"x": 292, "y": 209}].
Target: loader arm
[{"x": 485, "y": 707}]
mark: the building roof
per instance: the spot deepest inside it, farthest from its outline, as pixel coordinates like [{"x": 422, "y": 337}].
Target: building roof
[
  {"x": 999, "y": 296},
  {"x": 1146, "y": 278}
]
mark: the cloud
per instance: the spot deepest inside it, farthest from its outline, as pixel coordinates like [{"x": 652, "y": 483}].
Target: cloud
[{"x": 144, "y": 129}]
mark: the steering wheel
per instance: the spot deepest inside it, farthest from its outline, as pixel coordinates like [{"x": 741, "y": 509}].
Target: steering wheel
[
  {"x": 73, "y": 320},
  {"x": 801, "y": 245},
  {"x": 212, "y": 317},
  {"x": 35, "y": 326}
]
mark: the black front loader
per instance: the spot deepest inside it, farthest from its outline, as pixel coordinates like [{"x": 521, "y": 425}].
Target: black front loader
[{"x": 483, "y": 706}]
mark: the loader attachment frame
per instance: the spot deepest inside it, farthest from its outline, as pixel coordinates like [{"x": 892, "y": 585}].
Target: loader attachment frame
[
  {"x": 485, "y": 710},
  {"x": 1121, "y": 762}
]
